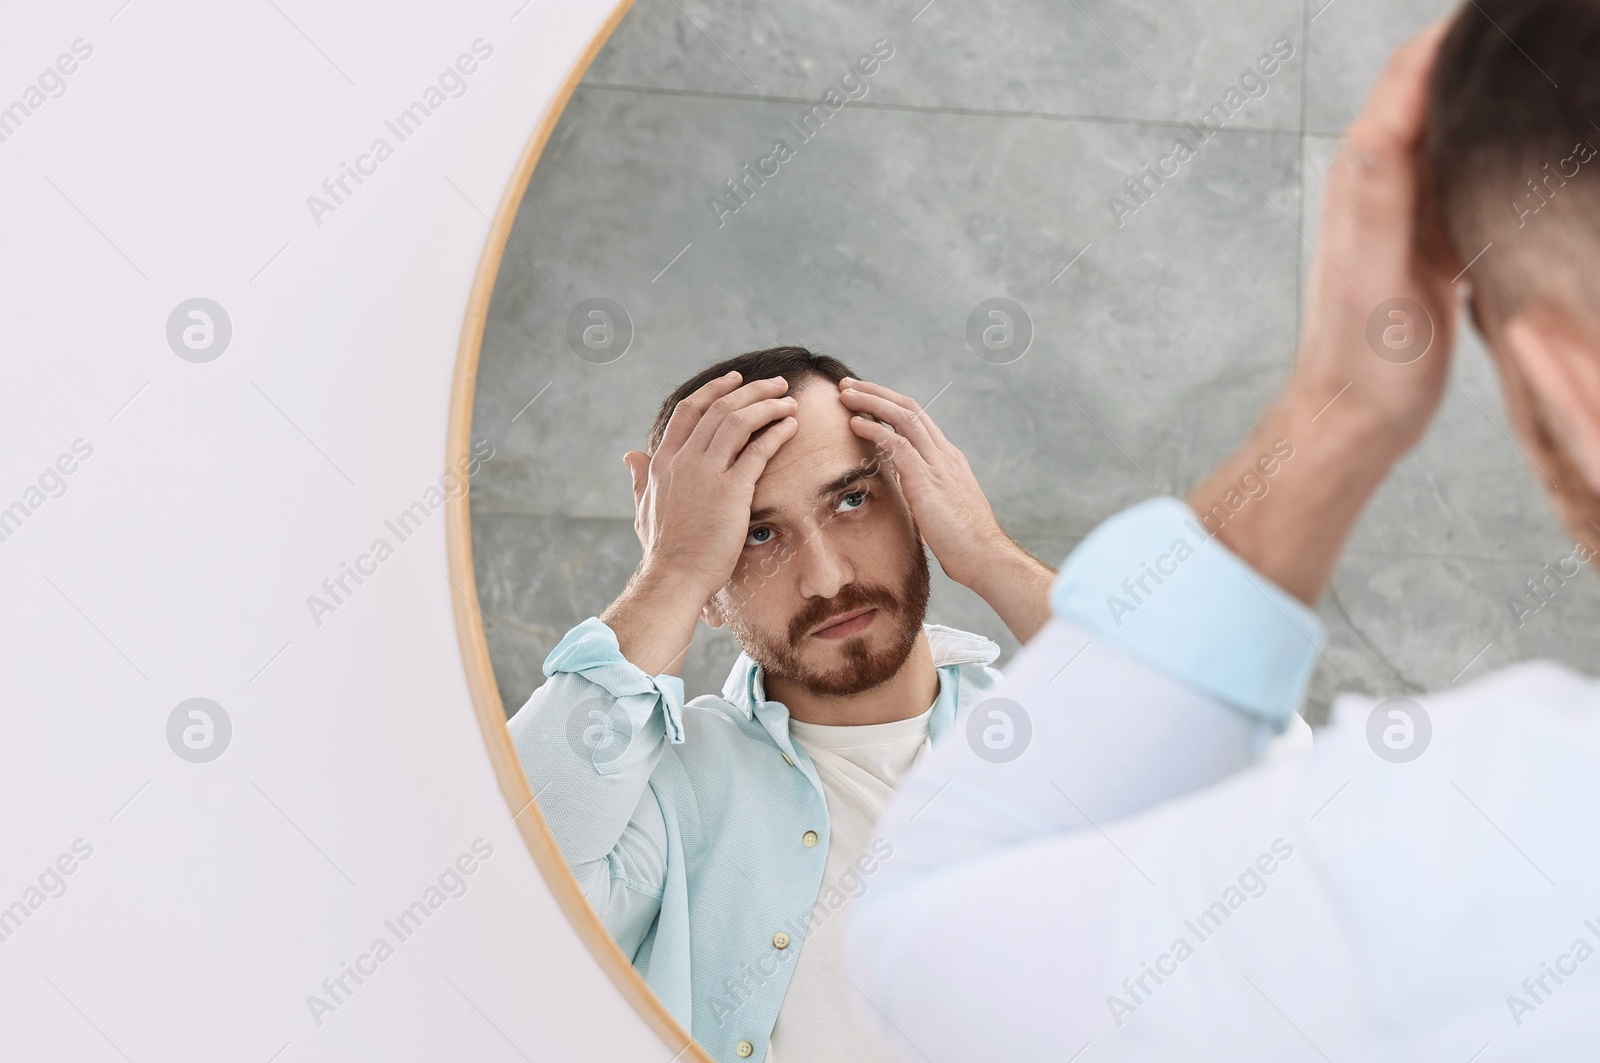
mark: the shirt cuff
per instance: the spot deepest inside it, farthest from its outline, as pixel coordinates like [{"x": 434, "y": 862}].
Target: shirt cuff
[
  {"x": 1154, "y": 582},
  {"x": 591, "y": 650}
]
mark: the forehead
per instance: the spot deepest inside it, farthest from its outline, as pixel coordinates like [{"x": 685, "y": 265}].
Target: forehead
[{"x": 822, "y": 448}]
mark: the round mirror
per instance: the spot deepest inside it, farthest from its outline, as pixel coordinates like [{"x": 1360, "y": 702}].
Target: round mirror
[{"x": 1073, "y": 239}]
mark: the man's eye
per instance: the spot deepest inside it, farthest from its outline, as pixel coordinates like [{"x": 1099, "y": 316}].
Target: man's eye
[
  {"x": 852, "y": 501},
  {"x": 759, "y": 536}
]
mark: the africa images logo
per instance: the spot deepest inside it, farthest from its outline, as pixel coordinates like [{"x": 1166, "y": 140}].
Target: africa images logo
[
  {"x": 1252, "y": 86},
  {"x": 852, "y": 86},
  {"x": 449, "y": 884},
  {"x": 451, "y": 84},
  {"x": 1249, "y": 885}
]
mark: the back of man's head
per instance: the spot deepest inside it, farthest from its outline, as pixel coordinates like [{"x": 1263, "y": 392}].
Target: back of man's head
[
  {"x": 1514, "y": 149},
  {"x": 797, "y": 365},
  {"x": 1513, "y": 153}
]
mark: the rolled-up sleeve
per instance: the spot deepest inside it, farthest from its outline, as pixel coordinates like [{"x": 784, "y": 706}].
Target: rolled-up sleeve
[
  {"x": 591, "y": 651},
  {"x": 1153, "y": 582},
  {"x": 589, "y": 740}
]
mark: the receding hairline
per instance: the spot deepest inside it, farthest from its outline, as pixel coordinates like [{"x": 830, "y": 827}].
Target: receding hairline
[
  {"x": 799, "y": 365},
  {"x": 798, "y": 382}
]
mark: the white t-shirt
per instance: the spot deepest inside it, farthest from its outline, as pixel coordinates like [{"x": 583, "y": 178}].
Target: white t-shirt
[{"x": 860, "y": 766}]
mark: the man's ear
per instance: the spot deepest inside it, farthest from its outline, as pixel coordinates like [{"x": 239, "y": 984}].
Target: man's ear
[
  {"x": 712, "y": 614},
  {"x": 638, "y": 463},
  {"x": 1560, "y": 360}
]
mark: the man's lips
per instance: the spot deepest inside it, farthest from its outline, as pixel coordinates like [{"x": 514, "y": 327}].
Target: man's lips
[{"x": 845, "y": 623}]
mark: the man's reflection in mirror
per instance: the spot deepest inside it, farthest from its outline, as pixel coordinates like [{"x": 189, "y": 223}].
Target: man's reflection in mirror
[{"x": 719, "y": 839}]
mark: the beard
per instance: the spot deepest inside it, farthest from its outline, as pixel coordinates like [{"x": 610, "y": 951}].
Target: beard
[{"x": 864, "y": 667}]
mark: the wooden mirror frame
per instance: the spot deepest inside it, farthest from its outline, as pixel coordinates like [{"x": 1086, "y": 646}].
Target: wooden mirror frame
[{"x": 485, "y": 692}]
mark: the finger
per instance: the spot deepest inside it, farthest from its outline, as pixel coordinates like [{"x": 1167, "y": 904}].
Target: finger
[
  {"x": 708, "y": 433},
  {"x": 893, "y": 447},
  {"x": 689, "y": 412},
  {"x": 753, "y": 461},
  {"x": 1374, "y": 180},
  {"x": 742, "y": 424},
  {"x": 911, "y": 425},
  {"x": 1397, "y": 105},
  {"x": 910, "y": 419}
]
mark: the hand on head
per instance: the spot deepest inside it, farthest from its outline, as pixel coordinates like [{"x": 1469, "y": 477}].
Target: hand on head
[
  {"x": 692, "y": 509},
  {"x": 692, "y": 496},
  {"x": 1381, "y": 303},
  {"x": 946, "y": 501},
  {"x": 1375, "y": 344}
]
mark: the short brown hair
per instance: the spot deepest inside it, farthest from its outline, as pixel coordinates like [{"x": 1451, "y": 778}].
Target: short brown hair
[
  {"x": 1512, "y": 112},
  {"x": 798, "y": 365}
]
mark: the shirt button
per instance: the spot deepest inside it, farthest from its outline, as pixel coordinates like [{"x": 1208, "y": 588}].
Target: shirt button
[
  {"x": 780, "y": 940},
  {"x": 744, "y": 1048},
  {"x": 810, "y": 838}
]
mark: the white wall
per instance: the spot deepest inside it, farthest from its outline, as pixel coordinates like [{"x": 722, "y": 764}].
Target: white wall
[{"x": 217, "y": 497}]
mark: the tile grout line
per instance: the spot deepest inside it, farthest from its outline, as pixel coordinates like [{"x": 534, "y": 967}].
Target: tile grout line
[{"x": 912, "y": 108}]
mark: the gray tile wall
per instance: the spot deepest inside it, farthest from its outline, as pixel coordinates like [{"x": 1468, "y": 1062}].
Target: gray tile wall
[{"x": 980, "y": 163}]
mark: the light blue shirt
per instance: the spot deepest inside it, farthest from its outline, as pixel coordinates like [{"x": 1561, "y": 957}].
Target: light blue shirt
[
  {"x": 687, "y": 825},
  {"x": 1155, "y": 583}
]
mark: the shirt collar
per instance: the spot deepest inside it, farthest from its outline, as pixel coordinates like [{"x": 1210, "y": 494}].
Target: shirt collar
[{"x": 745, "y": 689}]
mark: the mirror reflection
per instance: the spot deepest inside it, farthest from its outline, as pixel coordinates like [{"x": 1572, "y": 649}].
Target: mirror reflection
[{"x": 821, "y": 338}]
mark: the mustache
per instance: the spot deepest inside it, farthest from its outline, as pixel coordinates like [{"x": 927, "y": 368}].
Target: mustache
[{"x": 853, "y": 596}]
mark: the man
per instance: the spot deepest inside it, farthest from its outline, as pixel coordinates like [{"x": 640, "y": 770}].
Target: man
[
  {"x": 1424, "y": 883},
  {"x": 787, "y": 499}
]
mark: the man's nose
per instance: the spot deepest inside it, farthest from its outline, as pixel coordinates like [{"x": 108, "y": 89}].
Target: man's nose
[{"x": 824, "y": 568}]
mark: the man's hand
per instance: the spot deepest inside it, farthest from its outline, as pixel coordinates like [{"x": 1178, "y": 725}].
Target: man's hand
[
  {"x": 950, "y": 509},
  {"x": 692, "y": 511},
  {"x": 1349, "y": 411},
  {"x": 1381, "y": 243}
]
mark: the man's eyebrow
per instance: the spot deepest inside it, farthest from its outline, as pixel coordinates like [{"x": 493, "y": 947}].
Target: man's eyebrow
[{"x": 838, "y": 483}]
